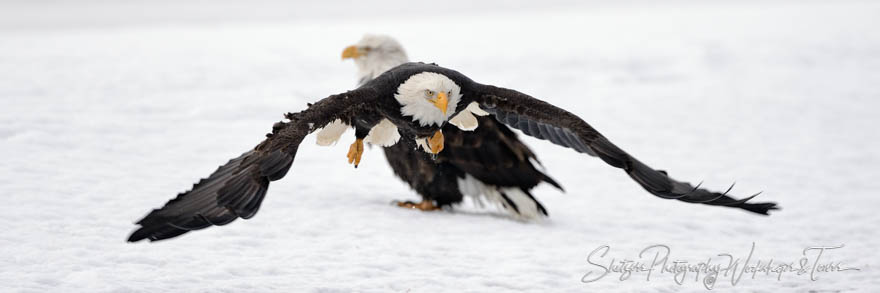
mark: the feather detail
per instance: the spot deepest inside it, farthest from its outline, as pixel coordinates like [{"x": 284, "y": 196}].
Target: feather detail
[
  {"x": 511, "y": 199},
  {"x": 475, "y": 109},
  {"x": 465, "y": 120},
  {"x": 331, "y": 133},
  {"x": 383, "y": 134}
]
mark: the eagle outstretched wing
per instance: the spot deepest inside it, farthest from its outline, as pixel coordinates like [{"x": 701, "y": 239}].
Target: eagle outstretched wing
[
  {"x": 236, "y": 189},
  {"x": 542, "y": 120}
]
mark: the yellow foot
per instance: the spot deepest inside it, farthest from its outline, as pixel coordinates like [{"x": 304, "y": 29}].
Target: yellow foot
[
  {"x": 424, "y": 205},
  {"x": 436, "y": 142},
  {"x": 355, "y": 151}
]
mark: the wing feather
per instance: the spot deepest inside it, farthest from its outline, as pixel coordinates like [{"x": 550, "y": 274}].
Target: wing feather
[
  {"x": 237, "y": 188},
  {"x": 545, "y": 121}
]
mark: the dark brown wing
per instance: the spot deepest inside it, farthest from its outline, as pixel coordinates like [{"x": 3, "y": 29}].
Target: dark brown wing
[
  {"x": 236, "y": 189},
  {"x": 544, "y": 121},
  {"x": 493, "y": 154}
]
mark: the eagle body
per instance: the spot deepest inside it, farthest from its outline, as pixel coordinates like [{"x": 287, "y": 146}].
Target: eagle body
[
  {"x": 491, "y": 156},
  {"x": 488, "y": 163},
  {"x": 237, "y": 188}
]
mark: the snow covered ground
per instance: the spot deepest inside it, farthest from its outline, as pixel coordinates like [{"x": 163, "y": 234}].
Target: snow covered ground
[{"x": 109, "y": 108}]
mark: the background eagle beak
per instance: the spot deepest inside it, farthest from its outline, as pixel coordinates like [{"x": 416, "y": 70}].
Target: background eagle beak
[
  {"x": 441, "y": 102},
  {"x": 351, "y": 52}
]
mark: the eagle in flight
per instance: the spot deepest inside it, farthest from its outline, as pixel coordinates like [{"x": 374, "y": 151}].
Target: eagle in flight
[
  {"x": 416, "y": 100},
  {"x": 489, "y": 164}
]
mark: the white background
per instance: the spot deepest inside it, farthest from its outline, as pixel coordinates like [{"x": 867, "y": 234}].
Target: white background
[{"x": 110, "y": 108}]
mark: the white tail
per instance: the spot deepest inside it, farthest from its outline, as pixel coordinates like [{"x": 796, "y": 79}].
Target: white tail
[{"x": 511, "y": 199}]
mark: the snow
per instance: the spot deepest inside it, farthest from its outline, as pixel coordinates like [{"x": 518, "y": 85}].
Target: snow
[{"x": 108, "y": 109}]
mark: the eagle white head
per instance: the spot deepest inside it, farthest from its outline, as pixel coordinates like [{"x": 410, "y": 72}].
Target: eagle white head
[
  {"x": 375, "y": 54},
  {"x": 428, "y": 98}
]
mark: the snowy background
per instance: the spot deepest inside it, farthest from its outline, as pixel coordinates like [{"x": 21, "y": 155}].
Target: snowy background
[{"x": 110, "y": 108}]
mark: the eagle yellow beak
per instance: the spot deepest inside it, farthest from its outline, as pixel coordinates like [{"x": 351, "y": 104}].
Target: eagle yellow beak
[
  {"x": 351, "y": 52},
  {"x": 441, "y": 102}
]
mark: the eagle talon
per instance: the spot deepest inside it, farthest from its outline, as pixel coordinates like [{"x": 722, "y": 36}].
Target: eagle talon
[
  {"x": 424, "y": 205},
  {"x": 436, "y": 142},
  {"x": 355, "y": 151}
]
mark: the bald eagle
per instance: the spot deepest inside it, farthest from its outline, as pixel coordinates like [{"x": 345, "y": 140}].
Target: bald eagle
[
  {"x": 417, "y": 100},
  {"x": 489, "y": 163}
]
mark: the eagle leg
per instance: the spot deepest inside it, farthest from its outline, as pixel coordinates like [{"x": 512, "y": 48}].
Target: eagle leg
[
  {"x": 424, "y": 205},
  {"x": 355, "y": 151}
]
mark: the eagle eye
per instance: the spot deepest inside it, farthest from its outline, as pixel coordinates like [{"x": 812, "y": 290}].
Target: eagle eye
[{"x": 429, "y": 93}]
